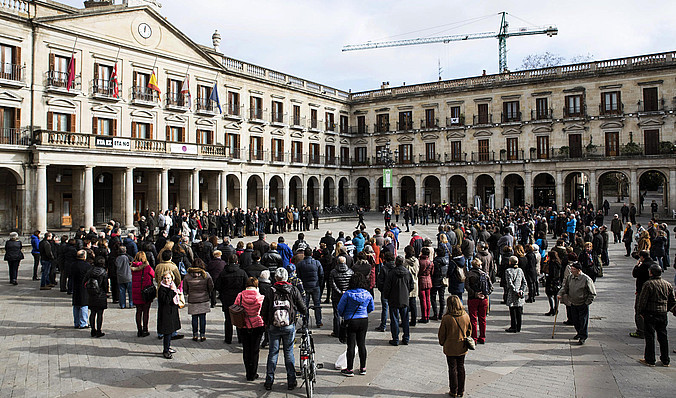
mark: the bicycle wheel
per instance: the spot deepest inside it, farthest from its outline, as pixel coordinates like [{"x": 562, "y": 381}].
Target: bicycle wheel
[{"x": 308, "y": 380}]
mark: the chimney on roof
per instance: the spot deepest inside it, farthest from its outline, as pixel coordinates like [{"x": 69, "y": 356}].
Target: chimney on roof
[
  {"x": 484, "y": 74},
  {"x": 385, "y": 85},
  {"x": 216, "y": 40}
]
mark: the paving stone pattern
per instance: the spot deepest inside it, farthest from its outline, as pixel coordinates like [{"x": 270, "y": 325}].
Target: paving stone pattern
[{"x": 42, "y": 355}]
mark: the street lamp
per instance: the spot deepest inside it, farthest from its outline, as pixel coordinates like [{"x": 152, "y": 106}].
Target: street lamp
[{"x": 386, "y": 157}]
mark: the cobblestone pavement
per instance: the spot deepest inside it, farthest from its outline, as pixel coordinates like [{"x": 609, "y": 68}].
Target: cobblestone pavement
[{"x": 42, "y": 355}]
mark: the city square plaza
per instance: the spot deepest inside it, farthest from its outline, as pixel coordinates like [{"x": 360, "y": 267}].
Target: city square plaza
[{"x": 42, "y": 355}]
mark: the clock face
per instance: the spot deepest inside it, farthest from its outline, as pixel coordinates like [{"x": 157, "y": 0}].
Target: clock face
[{"x": 144, "y": 30}]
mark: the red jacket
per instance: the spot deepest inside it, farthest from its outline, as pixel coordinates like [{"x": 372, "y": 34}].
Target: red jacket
[
  {"x": 424, "y": 273},
  {"x": 141, "y": 276}
]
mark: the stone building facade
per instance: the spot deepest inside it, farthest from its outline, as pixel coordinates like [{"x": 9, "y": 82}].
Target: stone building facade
[{"x": 85, "y": 154}]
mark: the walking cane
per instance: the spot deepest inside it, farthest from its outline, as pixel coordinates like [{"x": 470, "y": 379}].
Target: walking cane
[{"x": 556, "y": 314}]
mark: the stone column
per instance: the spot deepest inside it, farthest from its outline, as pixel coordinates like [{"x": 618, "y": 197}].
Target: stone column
[
  {"x": 286, "y": 191},
  {"x": 672, "y": 191},
  {"x": 497, "y": 183},
  {"x": 129, "y": 198},
  {"x": 396, "y": 190},
  {"x": 443, "y": 186},
  {"x": 88, "y": 197},
  {"x": 593, "y": 188},
  {"x": 559, "y": 191},
  {"x": 419, "y": 189},
  {"x": 223, "y": 190},
  {"x": 633, "y": 189},
  {"x": 470, "y": 189},
  {"x": 336, "y": 191},
  {"x": 41, "y": 198},
  {"x": 320, "y": 190},
  {"x": 528, "y": 187},
  {"x": 243, "y": 188},
  {"x": 195, "y": 189},
  {"x": 266, "y": 191},
  {"x": 164, "y": 190}
]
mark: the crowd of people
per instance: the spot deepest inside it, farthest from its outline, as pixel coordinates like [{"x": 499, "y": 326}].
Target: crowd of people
[{"x": 188, "y": 259}]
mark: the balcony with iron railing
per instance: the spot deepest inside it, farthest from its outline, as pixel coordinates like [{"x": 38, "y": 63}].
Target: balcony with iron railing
[
  {"x": 510, "y": 117},
  {"x": 256, "y": 115},
  {"x": 177, "y": 101},
  {"x": 298, "y": 158},
  {"x": 610, "y": 111},
  {"x": 297, "y": 123},
  {"x": 483, "y": 157},
  {"x": 512, "y": 156},
  {"x": 278, "y": 119},
  {"x": 344, "y": 129},
  {"x": 482, "y": 119},
  {"x": 12, "y": 136},
  {"x": 360, "y": 161},
  {"x": 205, "y": 106},
  {"x": 257, "y": 155},
  {"x": 427, "y": 124},
  {"x": 659, "y": 108},
  {"x": 313, "y": 125},
  {"x": 381, "y": 127},
  {"x": 330, "y": 127},
  {"x": 363, "y": 129},
  {"x": 455, "y": 157},
  {"x": 141, "y": 95},
  {"x": 12, "y": 75},
  {"x": 330, "y": 160},
  {"x": 405, "y": 126},
  {"x": 430, "y": 159},
  {"x": 58, "y": 82},
  {"x": 314, "y": 159},
  {"x": 105, "y": 89},
  {"x": 575, "y": 112},
  {"x": 278, "y": 157},
  {"x": 455, "y": 121},
  {"x": 541, "y": 115},
  {"x": 233, "y": 111}
]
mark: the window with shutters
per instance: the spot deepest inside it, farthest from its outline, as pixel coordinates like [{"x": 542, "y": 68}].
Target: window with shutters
[
  {"x": 344, "y": 121},
  {"x": 430, "y": 121},
  {"x": 232, "y": 145},
  {"x": 10, "y": 125},
  {"x": 484, "y": 152},
  {"x": 175, "y": 134},
  {"x": 573, "y": 106},
  {"x": 204, "y": 102},
  {"x": 141, "y": 130},
  {"x": 430, "y": 152},
  {"x": 233, "y": 104},
  {"x": 382, "y": 123},
  {"x": 360, "y": 156},
  {"x": 256, "y": 148},
  {"x": 10, "y": 62},
  {"x": 314, "y": 153},
  {"x": 255, "y": 108},
  {"x": 456, "y": 151},
  {"x": 60, "y": 122},
  {"x": 610, "y": 103},
  {"x": 58, "y": 70},
  {"x": 543, "y": 147},
  {"x": 406, "y": 153},
  {"x": 344, "y": 155},
  {"x": 174, "y": 95},
  {"x": 482, "y": 114},
  {"x": 296, "y": 151},
  {"x": 361, "y": 124},
  {"x": 140, "y": 91},
  {"x": 205, "y": 137},
  {"x": 314, "y": 123},
  {"x": 542, "y": 109},
  {"x": 650, "y": 101},
  {"x": 612, "y": 143},
  {"x": 512, "y": 148},
  {"x": 277, "y": 150},
  {"x": 330, "y": 154},
  {"x": 510, "y": 112},
  {"x": 277, "y": 112},
  {"x": 102, "y": 84},
  {"x": 454, "y": 119},
  {"x": 104, "y": 126},
  {"x": 330, "y": 124},
  {"x": 296, "y": 115},
  {"x": 405, "y": 121}
]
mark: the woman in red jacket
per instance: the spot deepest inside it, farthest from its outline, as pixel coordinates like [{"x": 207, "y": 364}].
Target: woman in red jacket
[
  {"x": 142, "y": 275},
  {"x": 251, "y": 333},
  {"x": 425, "y": 284}
]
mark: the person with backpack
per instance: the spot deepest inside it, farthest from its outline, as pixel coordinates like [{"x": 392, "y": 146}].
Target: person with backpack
[
  {"x": 456, "y": 273},
  {"x": 279, "y": 312},
  {"x": 479, "y": 287},
  {"x": 96, "y": 287},
  {"x": 142, "y": 275},
  {"x": 354, "y": 307}
]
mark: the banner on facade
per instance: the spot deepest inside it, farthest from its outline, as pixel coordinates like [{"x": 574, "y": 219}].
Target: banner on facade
[
  {"x": 387, "y": 178},
  {"x": 184, "y": 148},
  {"x": 113, "y": 142}
]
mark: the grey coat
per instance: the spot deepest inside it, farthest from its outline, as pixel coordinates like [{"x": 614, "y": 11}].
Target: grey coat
[{"x": 515, "y": 283}]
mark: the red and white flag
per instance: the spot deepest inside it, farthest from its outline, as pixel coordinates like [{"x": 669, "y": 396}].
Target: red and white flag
[{"x": 114, "y": 82}]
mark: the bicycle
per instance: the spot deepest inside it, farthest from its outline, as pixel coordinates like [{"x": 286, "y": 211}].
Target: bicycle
[{"x": 308, "y": 366}]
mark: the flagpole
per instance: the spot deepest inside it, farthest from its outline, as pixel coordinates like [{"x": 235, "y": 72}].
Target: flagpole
[{"x": 71, "y": 67}]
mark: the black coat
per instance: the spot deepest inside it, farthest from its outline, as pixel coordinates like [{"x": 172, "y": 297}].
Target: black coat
[
  {"x": 168, "y": 320},
  {"x": 230, "y": 283},
  {"x": 99, "y": 301},
  {"x": 254, "y": 269},
  {"x": 13, "y": 251},
  {"x": 77, "y": 274},
  {"x": 398, "y": 286}
]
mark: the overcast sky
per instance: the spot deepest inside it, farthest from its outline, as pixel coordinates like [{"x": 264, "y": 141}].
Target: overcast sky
[{"x": 304, "y": 37}]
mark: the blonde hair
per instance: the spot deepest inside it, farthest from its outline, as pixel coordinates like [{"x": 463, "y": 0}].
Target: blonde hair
[
  {"x": 454, "y": 306},
  {"x": 168, "y": 273},
  {"x": 141, "y": 257}
]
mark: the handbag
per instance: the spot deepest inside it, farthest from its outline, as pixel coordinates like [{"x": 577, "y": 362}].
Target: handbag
[
  {"x": 344, "y": 324},
  {"x": 149, "y": 292},
  {"x": 468, "y": 341},
  {"x": 181, "y": 300},
  {"x": 237, "y": 314}
]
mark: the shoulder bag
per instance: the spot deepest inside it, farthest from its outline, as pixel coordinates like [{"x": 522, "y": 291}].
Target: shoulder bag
[
  {"x": 237, "y": 314},
  {"x": 344, "y": 324},
  {"x": 468, "y": 341},
  {"x": 149, "y": 292}
]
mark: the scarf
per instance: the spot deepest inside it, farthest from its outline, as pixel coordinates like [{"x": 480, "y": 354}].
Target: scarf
[{"x": 172, "y": 287}]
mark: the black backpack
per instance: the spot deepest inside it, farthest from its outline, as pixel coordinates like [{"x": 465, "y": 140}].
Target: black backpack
[
  {"x": 484, "y": 285},
  {"x": 93, "y": 287}
]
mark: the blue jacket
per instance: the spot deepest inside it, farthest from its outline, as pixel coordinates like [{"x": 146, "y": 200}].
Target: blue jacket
[
  {"x": 355, "y": 301},
  {"x": 35, "y": 244},
  {"x": 132, "y": 249},
  {"x": 311, "y": 272},
  {"x": 570, "y": 226},
  {"x": 358, "y": 242},
  {"x": 285, "y": 251}
]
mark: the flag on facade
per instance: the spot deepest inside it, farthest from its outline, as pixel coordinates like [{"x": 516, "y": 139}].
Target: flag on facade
[
  {"x": 152, "y": 84},
  {"x": 71, "y": 72},
  {"x": 185, "y": 89},
  {"x": 114, "y": 82},
  {"x": 214, "y": 97}
]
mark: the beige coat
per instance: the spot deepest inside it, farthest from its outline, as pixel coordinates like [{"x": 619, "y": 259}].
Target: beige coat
[{"x": 452, "y": 334}]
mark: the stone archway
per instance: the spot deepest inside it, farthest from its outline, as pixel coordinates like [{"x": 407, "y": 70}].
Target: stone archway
[
  {"x": 457, "y": 190},
  {"x": 343, "y": 186},
  {"x": 544, "y": 190},
  {"x": 295, "y": 192},
  {"x": 407, "y": 187},
  {"x": 312, "y": 192},
  {"x": 432, "y": 190},
  {"x": 653, "y": 186},
  {"x": 514, "y": 191},
  {"x": 103, "y": 198},
  {"x": 485, "y": 190},
  {"x": 363, "y": 193},
  {"x": 10, "y": 202},
  {"x": 329, "y": 192},
  {"x": 254, "y": 192},
  {"x": 276, "y": 192},
  {"x": 575, "y": 188},
  {"x": 234, "y": 189},
  {"x": 614, "y": 187}
]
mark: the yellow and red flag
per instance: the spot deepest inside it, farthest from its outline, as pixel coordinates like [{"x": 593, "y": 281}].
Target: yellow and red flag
[{"x": 152, "y": 84}]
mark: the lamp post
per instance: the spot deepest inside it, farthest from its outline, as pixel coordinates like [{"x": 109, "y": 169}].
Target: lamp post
[{"x": 386, "y": 157}]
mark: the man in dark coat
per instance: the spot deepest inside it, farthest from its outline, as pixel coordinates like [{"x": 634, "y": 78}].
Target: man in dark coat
[
  {"x": 311, "y": 273},
  {"x": 229, "y": 284},
  {"x": 80, "y": 299},
  {"x": 261, "y": 245},
  {"x": 398, "y": 285},
  {"x": 641, "y": 273},
  {"x": 272, "y": 260},
  {"x": 214, "y": 268}
]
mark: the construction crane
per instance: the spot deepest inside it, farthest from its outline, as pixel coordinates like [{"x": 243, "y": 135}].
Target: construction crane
[{"x": 502, "y": 36}]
